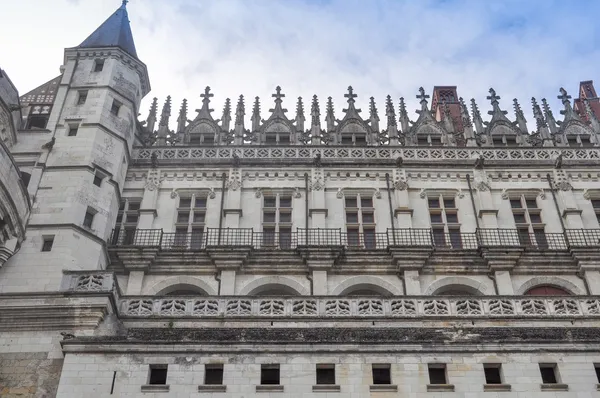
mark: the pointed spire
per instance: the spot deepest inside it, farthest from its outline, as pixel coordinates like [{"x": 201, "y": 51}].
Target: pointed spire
[
  {"x": 226, "y": 119},
  {"x": 591, "y": 116},
  {"x": 373, "y": 116},
  {"x": 330, "y": 117},
  {"x": 541, "y": 126},
  {"x": 256, "y": 114},
  {"x": 392, "y": 124},
  {"x": 552, "y": 125},
  {"x": 521, "y": 121},
  {"x": 114, "y": 32},
  {"x": 240, "y": 112},
  {"x": 468, "y": 133},
  {"x": 477, "y": 121},
  {"x": 404, "y": 121},
  {"x": 182, "y": 119},
  {"x": 151, "y": 120},
  {"x": 315, "y": 123},
  {"x": 166, "y": 113},
  {"x": 300, "y": 116}
]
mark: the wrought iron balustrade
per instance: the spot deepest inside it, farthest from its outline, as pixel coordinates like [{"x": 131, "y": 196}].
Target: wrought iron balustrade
[{"x": 367, "y": 240}]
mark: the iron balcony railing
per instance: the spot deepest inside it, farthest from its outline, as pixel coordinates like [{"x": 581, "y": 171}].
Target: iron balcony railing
[{"x": 350, "y": 239}]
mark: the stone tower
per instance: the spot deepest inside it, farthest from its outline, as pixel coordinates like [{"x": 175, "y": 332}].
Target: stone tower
[{"x": 78, "y": 179}]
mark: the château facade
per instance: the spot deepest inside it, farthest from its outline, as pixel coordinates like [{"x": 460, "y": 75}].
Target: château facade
[{"x": 302, "y": 253}]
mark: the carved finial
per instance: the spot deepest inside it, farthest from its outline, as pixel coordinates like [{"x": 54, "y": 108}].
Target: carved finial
[
  {"x": 240, "y": 112},
  {"x": 278, "y": 96},
  {"x": 521, "y": 121},
  {"x": 389, "y": 112},
  {"x": 315, "y": 113},
  {"x": 317, "y": 161},
  {"x": 350, "y": 95},
  {"x": 182, "y": 119},
  {"x": 373, "y": 116},
  {"x": 464, "y": 114},
  {"x": 166, "y": 112},
  {"x": 278, "y": 110},
  {"x": 549, "y": 117},
  {"x": 151, "y": 121},
  {"x": 124, "y": 3},
  {"x": 330, "y": 117},
  {"x": 236, "y": 161},
  {"x": 564, "y": 97},
  {"x": 568, "y": 111},
  {"x": 226, "y": 119},
  {"x": 422, "y": 97},
  {"x": 537, "y": 114},
  {"x": 403, "y": 116},
  {"x": 493, "y": 97},
  {"x": 558, "y": 162},
  {"x": 300, "y": 115},
  {"x": 479, "y": 162},
  {"x": 256, "y": 114},
  {"x": 477, "y": 121},
  {"x": 518, "y": 110},
  {"x": 399, "y": 162},
  {"x": 206, "y": 96}
]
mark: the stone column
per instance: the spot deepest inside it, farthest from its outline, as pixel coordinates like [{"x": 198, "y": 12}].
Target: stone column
[
  {"x": 319, "y": 282},
  {"x": 318, "y": 209},
  {"x": 504, "y": 282},
  {"x": 403, "y": 211},
  {"x": 485, "y": 203},
  {"x": 232, "y": 208},
  {"x": 227, "y": 282},
  {"x": 412, "y": 282},
  {"x": 134, "y": 283},
  {"x": 149, "y": 200}
]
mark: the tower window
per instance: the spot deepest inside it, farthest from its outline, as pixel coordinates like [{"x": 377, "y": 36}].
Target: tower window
[
  {"x": 326, "y": 374},
  {"x": 47, "y": 244},
  {"x": 157, "y": 375},
  {"x": 88, "y": 219},
  {"x": 492, "y": 373},
  {"x": 213, "y": 374},
  {"x": 72, "y": 130},
  {"x": 38, "y": 122},
  {"x": 82, "y": 97},
  {"x": 98, "y": 65},
  {"x": 269, "y": 374},
  {"x": 127, "y": 219},
  {"x": 549, "y": 373},
  {"x": 98, "y": 179},
  {"x": 437, "y": 373},
  {"x": 116, "y": 106},
  {"x": 382, "y": 374}
]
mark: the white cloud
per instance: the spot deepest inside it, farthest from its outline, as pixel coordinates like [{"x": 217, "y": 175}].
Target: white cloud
[{"x": 380, "y": 47}]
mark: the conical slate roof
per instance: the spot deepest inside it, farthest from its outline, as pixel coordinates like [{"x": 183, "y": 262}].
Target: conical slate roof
[{"x": 114, "y": 32}]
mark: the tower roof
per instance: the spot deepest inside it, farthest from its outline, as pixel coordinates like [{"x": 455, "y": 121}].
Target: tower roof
[{"x": 114, "y": 32}]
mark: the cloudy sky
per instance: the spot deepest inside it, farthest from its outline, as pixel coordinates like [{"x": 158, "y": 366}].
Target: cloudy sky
[{"x": 521, "y": 48}]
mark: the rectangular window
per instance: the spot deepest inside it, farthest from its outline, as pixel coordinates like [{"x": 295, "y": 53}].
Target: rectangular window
[
  {"x": 492, "y": 373},
  {"x": 82, "y": 97},
  {"x": 360, "y": 140},
  {"x": 347, "y": 140},
  {"x": 213, "y": 374},
  {"x": 444, "y": 221},
  {"x": 528, "y": 218},
  {"x": 97, "y": 180},
  {"x": 157, "y": 375},
  {"x": 72, "y": 130},
  {"x": 98, "y": 65},
  {"x": 381, "y": 374},
  {"x": 326, "y": 374},
  {"x": 127, "y": 220},
  {"x": 191, "y": 216},
  {"x": 47, "y": 243},
  {"x": 195, "y": 139},
  {"x": 209, "y": 139},
  {"x": 360, "y": 221},
  {"x": 549, "y": 373},
  {"x": 277, "y": 220},
  {"x": 88, "y": 219},
  {"x": 115, "y": 107},
  {"x": 437, "y": 374},
  {"x": 269, "y": 374}
]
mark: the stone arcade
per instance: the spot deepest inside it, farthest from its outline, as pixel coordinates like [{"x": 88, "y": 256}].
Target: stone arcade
[{"x": 292, "y": 255}]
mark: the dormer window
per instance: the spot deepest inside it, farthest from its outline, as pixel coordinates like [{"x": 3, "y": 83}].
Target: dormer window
[
  {"x": 360, "y": 140},
  {"x": 346, "y": 140},
  {"x": 572, "y": 141},
  {"x": 422, "y": 141},
  {"x": 510, "y": 141},
  {"x": 498, "y": 141},
  {"x": 436, "y": 142}
]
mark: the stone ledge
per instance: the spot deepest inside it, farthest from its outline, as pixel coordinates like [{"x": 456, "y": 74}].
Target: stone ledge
[
  {"x": 440, "y": 387},
  {"x": 326, "y": 388},
  {"x": 496, "y": 387},
  {"x": 269, "y": 388},
  {"x": 383, "y": 387},
  {"x": 554, "y": 387},
  {"x": 155, "y": 388},
  {"x": 212, "y": 388}
]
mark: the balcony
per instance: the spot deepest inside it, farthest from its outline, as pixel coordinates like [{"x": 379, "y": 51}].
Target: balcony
[{"x": 399, "y": 238}]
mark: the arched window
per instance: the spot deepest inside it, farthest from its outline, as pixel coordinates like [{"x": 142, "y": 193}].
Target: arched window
[
  {"x": 547, "y": 291},
  {"x": 273, "y": 289}
]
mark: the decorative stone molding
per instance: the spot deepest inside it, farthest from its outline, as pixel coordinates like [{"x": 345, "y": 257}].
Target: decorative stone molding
[
  {"x": 209, "y": 192},
  {"x": 173, "y": 283},
  {"x": 590, "y": 194},
  {"x": 297, "y": 193},
  {"x": 340, "y": 193},
  {"x": 481, "y": 181},
  {"x": 425, "y": 192},
  {"x": 317, "y": 181},
  {"x": 374, "y": 283},
  {"x": 258, "y": 193},
  {"x": 258, "y": 284},
  {"x": 508, "y": 192},
  {"x": 471, "y": 286},
  {"x": 153, "y": 180},
  {"x": 400, "y": 182}
]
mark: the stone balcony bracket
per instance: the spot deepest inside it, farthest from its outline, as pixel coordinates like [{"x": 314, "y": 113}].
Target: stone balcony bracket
[
  {"x": 137, "y": 258},
  {"x": 227, "y": 258},
  {"x": 321, "y": 257},
  {"x": 588, "y": 258},
  {"x": 410, "y": 259},
  {"x": 501, "y": 259},
  {"x": 483, "y": 212}
]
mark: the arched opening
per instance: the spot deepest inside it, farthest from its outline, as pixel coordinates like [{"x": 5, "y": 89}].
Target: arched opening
[
  {"x": 457, "y": 290},
  {"x": 273, "y": 289},
  {"x": 182, "y": 289},
  {"x": 366, "y": 289},
  {"x": 547, "y": 290}
]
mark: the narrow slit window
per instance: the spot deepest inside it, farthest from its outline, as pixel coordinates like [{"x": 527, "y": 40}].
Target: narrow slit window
[
  {"x": 88, "y": 219},
  {"x": 115, "y": 107},
  {"x": 47, "y": 243},
  {"x": 82, "y": 97},
  {"x": 72, "y": 130},
  {"x": 98, "y": 65}
]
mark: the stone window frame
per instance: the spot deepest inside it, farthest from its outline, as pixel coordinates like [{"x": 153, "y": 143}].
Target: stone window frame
[
  {"x": 535, "y": 230},
  {"x": 277, "y": 232},
  {"x": 127, "y": 220},
  {"x": 360, "y": 233},
  {"x": 98, "y": 65},
  {"x": 191, "y": 232},
  {"x": 278, "y": 135},
  {"x": 82, "y": 96},
  {"x": 448, "y": 233}
]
